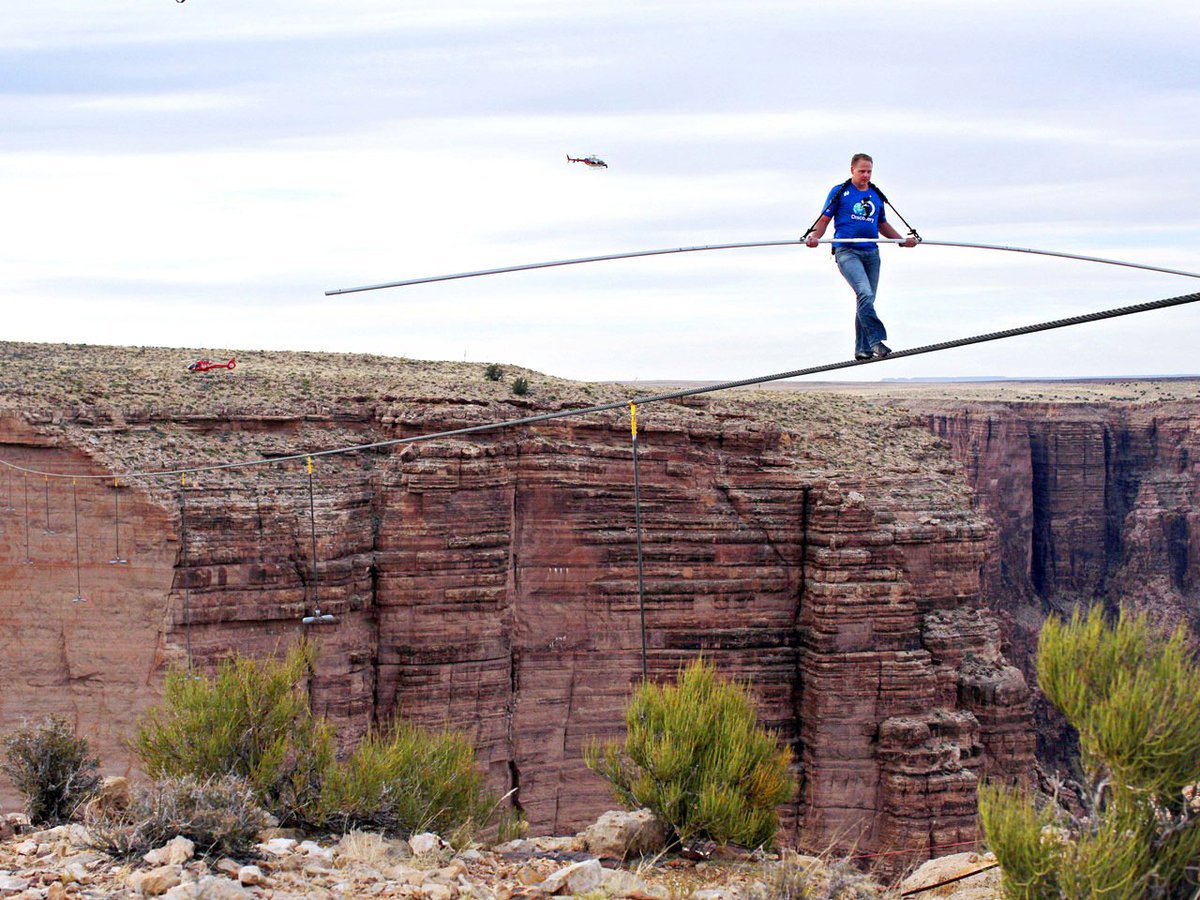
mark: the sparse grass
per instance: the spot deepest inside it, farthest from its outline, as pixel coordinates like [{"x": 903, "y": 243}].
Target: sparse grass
[{"x": 366, "y": 848}]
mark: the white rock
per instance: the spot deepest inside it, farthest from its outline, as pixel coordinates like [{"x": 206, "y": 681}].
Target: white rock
[
  {"x": 438, "y": 892},
  {"x": 556, "y": 844},
  {"x": 74, "y": 834},
  {"x": 514, "y": 846},
  {"x": 316, "y": 852},
  {"x": 210, "y": 887},
  {"x": 156, "y": 881},
  {"x": 175, "y": 852},
  {"x": 425, "y": 843},
  {"x": 26, "y": 848},
  {"x": 11, "y": 884},
  {"x": 251, "y": 875},
  {"x": 577, "y": 878},
  {"x": 280, "y": 846}
]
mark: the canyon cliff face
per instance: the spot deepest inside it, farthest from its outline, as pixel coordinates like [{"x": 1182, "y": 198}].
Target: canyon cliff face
[
  {"x": 1094, "y": 503},
  {"x": 826, "y": 551}
]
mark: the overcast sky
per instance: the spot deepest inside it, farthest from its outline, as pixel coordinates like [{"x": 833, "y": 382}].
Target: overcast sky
[{"x": 200, "y": 173}]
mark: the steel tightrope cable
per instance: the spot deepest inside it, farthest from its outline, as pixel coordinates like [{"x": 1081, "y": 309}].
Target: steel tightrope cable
[{"x": 748, "y": 245}]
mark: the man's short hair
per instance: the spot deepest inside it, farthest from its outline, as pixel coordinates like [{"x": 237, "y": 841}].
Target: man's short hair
[{"x": 859, "y": 157}]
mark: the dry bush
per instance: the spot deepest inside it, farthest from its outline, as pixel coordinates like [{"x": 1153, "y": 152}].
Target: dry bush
[
  {"x": 51, "y": 768},
  {"x": 219, "y": 815}
]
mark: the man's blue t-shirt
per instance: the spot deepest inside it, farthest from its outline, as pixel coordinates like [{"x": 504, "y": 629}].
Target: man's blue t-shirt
[{"x": 858, "y": 214}]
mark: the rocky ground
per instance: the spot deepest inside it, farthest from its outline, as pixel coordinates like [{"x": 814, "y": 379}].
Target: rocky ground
[
  {"x": 139, "y": 410},
  {"x": 59, "y": 863}
]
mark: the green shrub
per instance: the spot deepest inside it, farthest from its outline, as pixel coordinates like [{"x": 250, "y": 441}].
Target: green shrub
[
  {"x": 1023, "y": 838},
  {"x": 219, "y": 815},
  {"x": 696, "y": 757},
  {"x": 51, "y": 768},
  {"x": 250, "y": 719},
  {"x": 406, "y": 781},
  {"x": 494, "y": 372},
  {"x": 1134, "y": 697},
  {"x": 520, "y": 386}
]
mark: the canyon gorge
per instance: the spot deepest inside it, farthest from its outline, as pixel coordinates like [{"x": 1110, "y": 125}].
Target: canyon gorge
[{"x": 874, "y": 562}]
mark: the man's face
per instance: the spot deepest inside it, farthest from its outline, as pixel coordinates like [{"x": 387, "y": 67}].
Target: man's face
[{"x": 860, "y": 174}]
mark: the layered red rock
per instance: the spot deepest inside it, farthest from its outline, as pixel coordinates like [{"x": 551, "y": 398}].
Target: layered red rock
[
  {"x": 1094, "y": 502},
  {"x": 826, "y": 553}
]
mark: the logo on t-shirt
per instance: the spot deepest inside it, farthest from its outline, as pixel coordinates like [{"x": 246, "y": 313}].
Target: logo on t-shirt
[{"x": 865, "y": 208}]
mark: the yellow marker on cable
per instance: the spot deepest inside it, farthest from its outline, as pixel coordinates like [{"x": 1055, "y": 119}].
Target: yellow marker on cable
[
  {"x": 633, "y": 420},
  {"x": 309, "y": 458}
]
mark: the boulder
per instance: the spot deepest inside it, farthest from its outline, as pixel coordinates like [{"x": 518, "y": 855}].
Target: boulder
[
  {"x": 620, "y": 834},
  {"x": 985, "y": 884},
  {"x": 210, "y": 887},
  {"x": 11, "y": 884},
  {"x": 280, "y": 846},
  {"x": 113, "y": 796},
  {"x": 251, "y": 875},
  {"x": 577, "y": 878},
  {"x": 425, "y": 843},
  {"x": 157, "y": 881},
  {"x": 175, "y": 852},
  {"x": 316, "y": 853}
]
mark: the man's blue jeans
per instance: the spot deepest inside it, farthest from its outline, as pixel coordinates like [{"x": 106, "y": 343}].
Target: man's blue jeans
[{"x": 860, "y": 267}]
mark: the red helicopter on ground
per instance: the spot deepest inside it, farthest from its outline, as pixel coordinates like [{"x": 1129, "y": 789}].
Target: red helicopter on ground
[
  {"x": 592, "y": 162},
  {"x": 204, "y": 365}
]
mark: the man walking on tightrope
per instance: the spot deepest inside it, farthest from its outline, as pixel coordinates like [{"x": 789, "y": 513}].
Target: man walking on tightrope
[{"x": 856, "y": 209}]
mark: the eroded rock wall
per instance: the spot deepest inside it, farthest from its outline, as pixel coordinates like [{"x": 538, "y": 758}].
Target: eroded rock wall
[
  {"x": 491, "y": 584},
  {"x": 1093, "y": 503}
]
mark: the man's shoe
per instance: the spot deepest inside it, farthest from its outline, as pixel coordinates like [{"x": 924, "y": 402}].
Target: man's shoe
[
  {"x": 880, "y": 350},
  {"x": 862, "y": 354}
]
